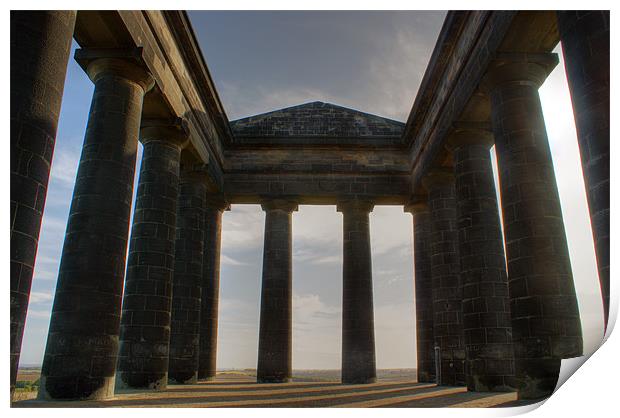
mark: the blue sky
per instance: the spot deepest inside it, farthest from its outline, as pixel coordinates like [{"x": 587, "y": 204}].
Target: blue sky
[{"x": 260, "y": 61}]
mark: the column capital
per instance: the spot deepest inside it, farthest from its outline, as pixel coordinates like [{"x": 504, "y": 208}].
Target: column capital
[
  {"x": 437, "y": 177},
  {"x": 217, "y": 202},
  {"x": 123, "y": 62},
  {"x": 279, "y": 204},
  {"x": 355, "y": 206},
  {"x": 518, "y": 68},
  {"x": 470, "y": 133},
  {"x": 417, "y": 204},
  {"x": 173, "y": 131}
]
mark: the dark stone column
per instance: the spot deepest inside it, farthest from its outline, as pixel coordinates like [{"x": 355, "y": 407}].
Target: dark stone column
[
  {"x": 445, "y": 271},
  {"x": 585, "y": 43},
  {"x": 145, "y": 319},
  {"x": 545, "y": 317},
  {"x": 82, "y": 344},
  {"x": 275, "y": 337},
  {"x": 423, "y": 289},
  {"x": 187, "y": 280},
  {"x": 40, "y": 47},
  {"x": 486, "y": 306},
  {"x": 210, "y": 287},
  {"x": 358, "y": 325}
]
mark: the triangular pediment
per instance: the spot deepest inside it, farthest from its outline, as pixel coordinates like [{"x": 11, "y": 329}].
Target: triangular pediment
[{"x": 317, "y": 119}]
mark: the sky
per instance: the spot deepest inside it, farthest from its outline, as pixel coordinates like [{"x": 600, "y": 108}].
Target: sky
[{"x": 261, "y": 61}]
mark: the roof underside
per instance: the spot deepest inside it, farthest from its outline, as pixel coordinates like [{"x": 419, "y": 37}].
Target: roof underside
[{"x": 319, "y": 120}]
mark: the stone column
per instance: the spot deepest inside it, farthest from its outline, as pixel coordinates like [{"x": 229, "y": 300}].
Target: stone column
[
  {"x": 210, "y": 287},
  {"x": 187, "y": 278},
  {"x": 445, "y": 272},
  {"x": 145, "y": 319},
  {"x": 358, "y": 332},
  {"x": 423, "y": 289},
  {"x": 40, "y": 47},
  {"x": 275, "y": 337},
  {"x": 487, "y": 330},
  {"x": 585, "y": 43},
  {"x": 545, "y": 317},
  {"x": 82, "y": 344}
]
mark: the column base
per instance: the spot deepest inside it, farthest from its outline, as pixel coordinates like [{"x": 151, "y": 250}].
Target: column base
[
  {"x": 144, "y": 381},
  {"x": 274, "y": 380},
  {"x": 491, "y": 384},
  {"x": 359, "y": 381},
  {"x": 183, "y": 379},
  {"x": 536, "y": 379},
  {"x": 425, "y": 377},
  {"x": 72, "y": 388}
]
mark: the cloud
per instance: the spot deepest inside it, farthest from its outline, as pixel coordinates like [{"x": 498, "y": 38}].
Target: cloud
[
  {"x": 65, "y": 162},
  {"x": 40, "y": 274},
  {"x": 243, "y": 228},
  {"x": 309, "y": 310},
  {"x": 40, "y": 297},
  {"x": 229, "y": 261},
  {"x": 317, "y": 330},
  {"x": 39, "y": 313},
  {"x": 395, "y": 335}
]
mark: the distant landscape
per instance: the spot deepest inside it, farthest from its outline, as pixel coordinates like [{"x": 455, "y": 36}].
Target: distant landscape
[{"x": 28, "y": 377}]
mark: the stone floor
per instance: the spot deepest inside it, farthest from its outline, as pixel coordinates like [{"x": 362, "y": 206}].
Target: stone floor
[{"x": 237, "y": 391}]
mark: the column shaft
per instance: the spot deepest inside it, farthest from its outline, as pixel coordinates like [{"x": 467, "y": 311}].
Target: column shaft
[
  {"x": 445, "y": 271},
  {"x": 187, "y": 279},
  {"x": 486, "y": 305},
  {"x": 423, "y": 294},
  {"x": 545, "y": 317},
  {"x": 585, "y": 43},
  {"x": 275, "y": 334},
  {"x": 145, "y": 320},
  {"x": 358, "y": 333},
  {"x": 210, "y": 291},
  {"x": 40, "y": 47},
  {"x": 82, "y": 344}
]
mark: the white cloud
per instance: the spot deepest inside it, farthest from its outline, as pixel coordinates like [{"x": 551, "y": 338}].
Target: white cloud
[
  {"x": 39, "y": 313},
  {"x": 40, "y": 297},
  {"x": 229, "y": 261},
  {"x": 316, "y": 333},
  {"x": 395, "y": 335},
  {"x": 40, "y": 274},
  {"x": 65, "y": 162},
  {"x": 243, "y": 228},
  {"x": 309, "y": 310}
]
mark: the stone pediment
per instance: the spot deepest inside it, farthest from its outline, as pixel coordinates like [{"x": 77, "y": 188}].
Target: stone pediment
[{"x": 317, "y": 120}]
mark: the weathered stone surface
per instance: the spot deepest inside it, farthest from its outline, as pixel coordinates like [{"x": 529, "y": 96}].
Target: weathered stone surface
[
  {"x": 40, "y": 46},
  {"x": 358, "y": 332},
  {"x": 318, "y": 189},
  {"x": 82, "y": 344},
  {"x": 458, "y": 63},
  {"x": 423, "y": 284},
  {"x": 276, "y": 308},
  {"x": 445, "y": 272},
  {"x": 319, "y": 153},
  {"x": 188, "y": 274},
  {"x": 585, "y": 44},
  {"x": 486, "y": 306},
  {"x": 172, "y": 56},
  {"x": 145, "y": 318},
  {"x": 210, "y": 287},
  {"x": 316, "y": 120},
  {"x": 545, "y": 316},
  {"x": 338, "y": 159}
]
